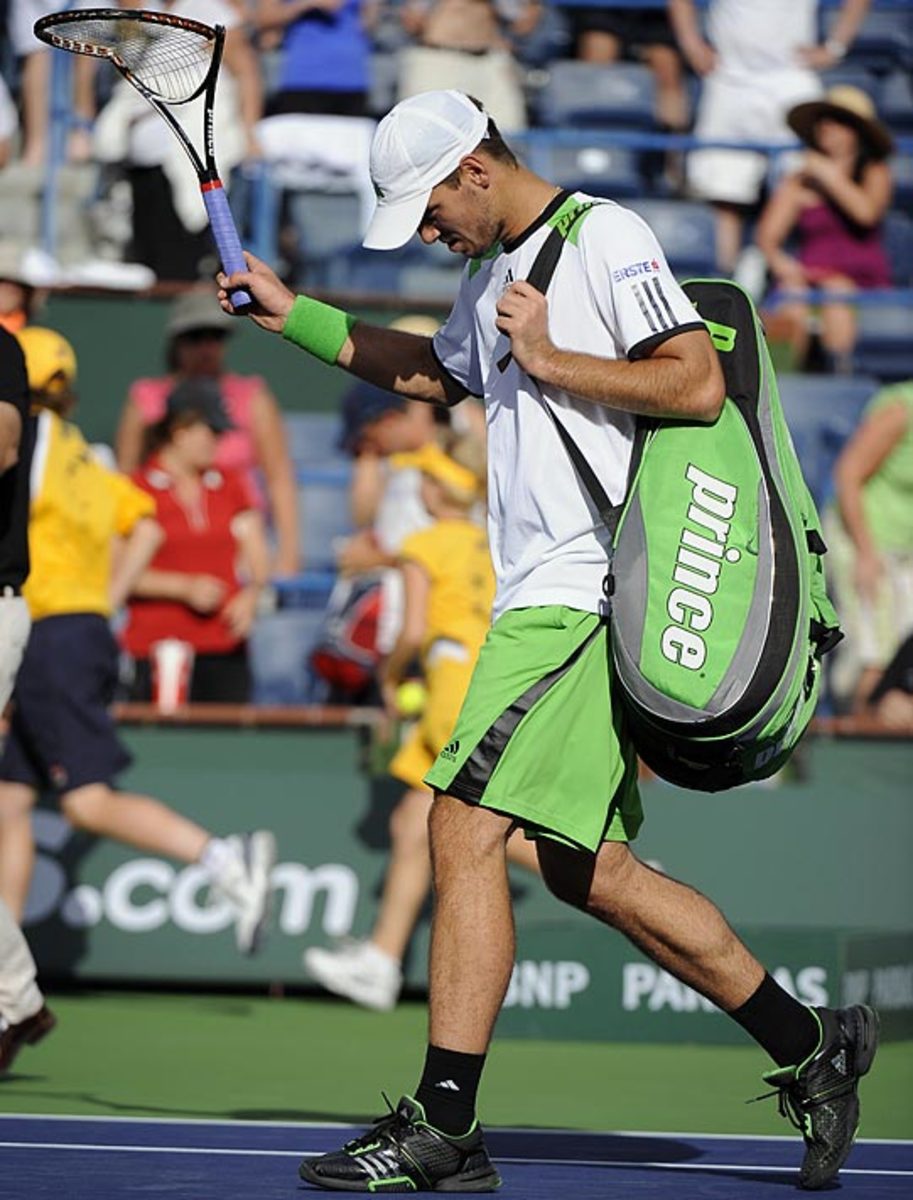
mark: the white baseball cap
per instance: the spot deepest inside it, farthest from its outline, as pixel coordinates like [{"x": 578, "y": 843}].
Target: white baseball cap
[{"x": 416, "y": 146}]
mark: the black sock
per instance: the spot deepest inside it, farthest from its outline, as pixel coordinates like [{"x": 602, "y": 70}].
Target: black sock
[
  {"x": 786, "y": 1029},
  {"x": 448, "y": 1088}
]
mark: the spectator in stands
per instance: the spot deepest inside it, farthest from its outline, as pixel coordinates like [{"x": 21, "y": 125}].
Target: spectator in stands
[
  {"x": 197, "y": 333},
  {"x": 24, "y": 1017},
  {"x": 833, "y": 206},
  {"x": 170, "y": 230},
  {"x": 91, "y": 532},
  {"x": 892, "y": 698},
  {"x": 19, "y": 297},
  {"x": 9, "y": 124},
  {"x": 870, "y": 535},
  {"x": 192, "y": 589},
  {"x": 757, "y": 62},
  {"x": 448, "y": 586},
  {"x": 326, "y": 53},
  {"x": 607, "y": 34},
  {"x": 465, "y": 44},
  {"x": 35, "y": 90}
]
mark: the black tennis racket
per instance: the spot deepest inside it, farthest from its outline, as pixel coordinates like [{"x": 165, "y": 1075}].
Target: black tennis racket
[{"x": 169, "y": 60}]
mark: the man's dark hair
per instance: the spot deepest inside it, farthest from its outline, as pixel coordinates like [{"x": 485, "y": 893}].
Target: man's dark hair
[{"x": 493, "y": 145}]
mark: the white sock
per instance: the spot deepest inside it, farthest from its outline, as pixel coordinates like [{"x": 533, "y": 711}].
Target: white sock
[
  {"x": 217, "y": 855},
  {"x": 373, "y": 953}
]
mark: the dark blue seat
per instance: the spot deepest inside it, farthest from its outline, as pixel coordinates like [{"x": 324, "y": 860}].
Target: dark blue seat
[
  {"x": 579, "y": 94},
  {"x": 323, "y": 512},
  {"x": 279, "y": 648},
  {"x": 311, "y": 438},
  {"x": 884, "y": 345},
  {"x": 898, "y": 241},
  {"x": 610, "y": 171},
  {"x": 822, "y": 411},
  {"x": 416, "y": 272},
  {"x": 895, "y": 102},
  {"x": 883, "y": 41},
  {"x": 854, "y": 75},
  {"x": 686, "y": 231}
]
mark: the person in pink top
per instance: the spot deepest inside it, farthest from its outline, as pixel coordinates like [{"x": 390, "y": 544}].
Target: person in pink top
[
  {"x": 832, "y": 208},
  {"x": 197, "y": 333}
]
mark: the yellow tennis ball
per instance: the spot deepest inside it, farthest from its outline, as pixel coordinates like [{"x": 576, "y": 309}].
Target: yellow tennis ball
[{"x": 411, "y": 697}]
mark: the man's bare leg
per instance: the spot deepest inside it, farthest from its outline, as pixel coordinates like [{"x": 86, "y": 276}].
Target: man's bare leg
[
  {"x": 137, "y": 821},
  {"x": 674, "y": 925},
  {"x": 472, "y": 937}
]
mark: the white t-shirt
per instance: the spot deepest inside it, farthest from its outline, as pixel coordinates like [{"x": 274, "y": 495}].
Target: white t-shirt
[
  {"x": 753, "y": 38},
  {"x": 612, "y": 295}
]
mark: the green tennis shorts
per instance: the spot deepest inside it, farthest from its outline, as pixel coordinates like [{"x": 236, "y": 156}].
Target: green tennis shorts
[{"x": 538, "y": 737}]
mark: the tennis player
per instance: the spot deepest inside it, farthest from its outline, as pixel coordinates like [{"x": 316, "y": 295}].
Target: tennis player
[
  {"x": 540, "y": 742},
  {"x": 62, "y": 737}
]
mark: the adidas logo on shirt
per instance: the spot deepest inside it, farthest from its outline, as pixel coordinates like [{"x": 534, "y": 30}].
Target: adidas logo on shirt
[
  {"x": 448, "y": 1085},
  {"x": 451, "y": 750}
]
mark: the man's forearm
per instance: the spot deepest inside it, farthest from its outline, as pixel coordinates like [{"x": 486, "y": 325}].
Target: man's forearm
[
  {"x": 390, "y": 358},
  {"x": 659, "y": 386}
]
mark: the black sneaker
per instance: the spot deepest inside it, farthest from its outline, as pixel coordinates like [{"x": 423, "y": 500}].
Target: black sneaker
[
  {"x": 403, "y": 1153},
  {"x": 25, "y": 1033},
  {"x": 820, "y": 1096}
]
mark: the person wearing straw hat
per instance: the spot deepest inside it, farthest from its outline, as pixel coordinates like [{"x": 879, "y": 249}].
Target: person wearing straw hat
[
  {"x": 833, "y": 206},
  {"x": 540, "y": 743}
]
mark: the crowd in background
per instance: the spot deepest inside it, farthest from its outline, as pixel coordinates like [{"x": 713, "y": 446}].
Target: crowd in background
[{"x": 208, "y": 444}]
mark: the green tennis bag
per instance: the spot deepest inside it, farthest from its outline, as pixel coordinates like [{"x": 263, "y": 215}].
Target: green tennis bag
[{"x": 720, "y": 614}]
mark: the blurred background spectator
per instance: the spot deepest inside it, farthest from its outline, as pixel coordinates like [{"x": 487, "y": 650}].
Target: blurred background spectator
[
  {"x": 465, "y": 44},
  {"x": 325, "y": 55},
  {"x": 91, "y": 532},
  {"x": 20, "y": 297},
  {"x": 756, "y": 62},
  {"x": 169, "y": 228},
  {"x": 891, "y": 700},
  {"x": 612, "y": 33},
  {"x": 832, "y": 209},
  {"x": 35, "y": 90},
  {"x": 204, "y": 583},
  {"x": 255, "y": 444},
  {"x": 870, "y": 536},
  {"x": 448, "y": 589}
]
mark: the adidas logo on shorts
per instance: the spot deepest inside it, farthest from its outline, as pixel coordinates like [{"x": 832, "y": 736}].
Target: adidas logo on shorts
[{"x": 451, "y": 750}]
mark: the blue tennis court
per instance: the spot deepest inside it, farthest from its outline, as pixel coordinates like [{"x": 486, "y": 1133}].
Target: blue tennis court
[{"x": 105, "y": 1159}]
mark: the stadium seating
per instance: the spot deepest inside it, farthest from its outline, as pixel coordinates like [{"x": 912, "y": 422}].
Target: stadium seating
[
  {"x": 579, "y": 94},
  {"x": 279, "y": 647},
  {"x": 415, "y": 272},
  {"x": 898, "y": 240},
  {"x": 895, "y": 101},
  {"x": 311, "y": 438},
  {"x": 686, "y": 232},
  {"x": 884, "y": 40},
  {"x": 884, "y": 346},
  {"x": 822, "y": 411},
  {"x": 579, "y": 165},
  {"x": 324, "y": 222}
]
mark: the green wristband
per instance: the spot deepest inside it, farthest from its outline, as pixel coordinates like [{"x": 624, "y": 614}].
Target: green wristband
[{"x": 318, "y": 328}]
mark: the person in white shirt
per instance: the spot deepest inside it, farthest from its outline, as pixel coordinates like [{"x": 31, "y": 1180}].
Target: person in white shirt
[
  {"x": 540, "y": 742},
  {"x": 757, "y": 61}
]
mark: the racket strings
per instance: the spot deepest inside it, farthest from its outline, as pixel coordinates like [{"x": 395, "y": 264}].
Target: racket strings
[{"x": 171, "y": 62}]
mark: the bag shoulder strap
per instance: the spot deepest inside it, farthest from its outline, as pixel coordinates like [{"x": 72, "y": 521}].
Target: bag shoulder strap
[{"x": 540, "y": 276}]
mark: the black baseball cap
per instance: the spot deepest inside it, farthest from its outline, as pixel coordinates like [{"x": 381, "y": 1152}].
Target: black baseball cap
[
  {"x": 361, "y": 405},
  {"x": 201, "y": 396}
]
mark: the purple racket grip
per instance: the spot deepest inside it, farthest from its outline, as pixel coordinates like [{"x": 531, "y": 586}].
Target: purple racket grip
[{"x": 224, "y": 231}]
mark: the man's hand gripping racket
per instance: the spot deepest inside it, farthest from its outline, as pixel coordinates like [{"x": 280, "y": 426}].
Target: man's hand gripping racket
[{"x": 169, "y": 60}]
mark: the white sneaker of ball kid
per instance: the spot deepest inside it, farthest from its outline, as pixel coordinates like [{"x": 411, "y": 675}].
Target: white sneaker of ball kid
[
  {"x": 359, "y": 971},
  {"x": 243, "y": 877}
]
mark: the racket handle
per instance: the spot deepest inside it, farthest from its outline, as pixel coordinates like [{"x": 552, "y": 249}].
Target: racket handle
[{"x": 225, "y": 233}]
